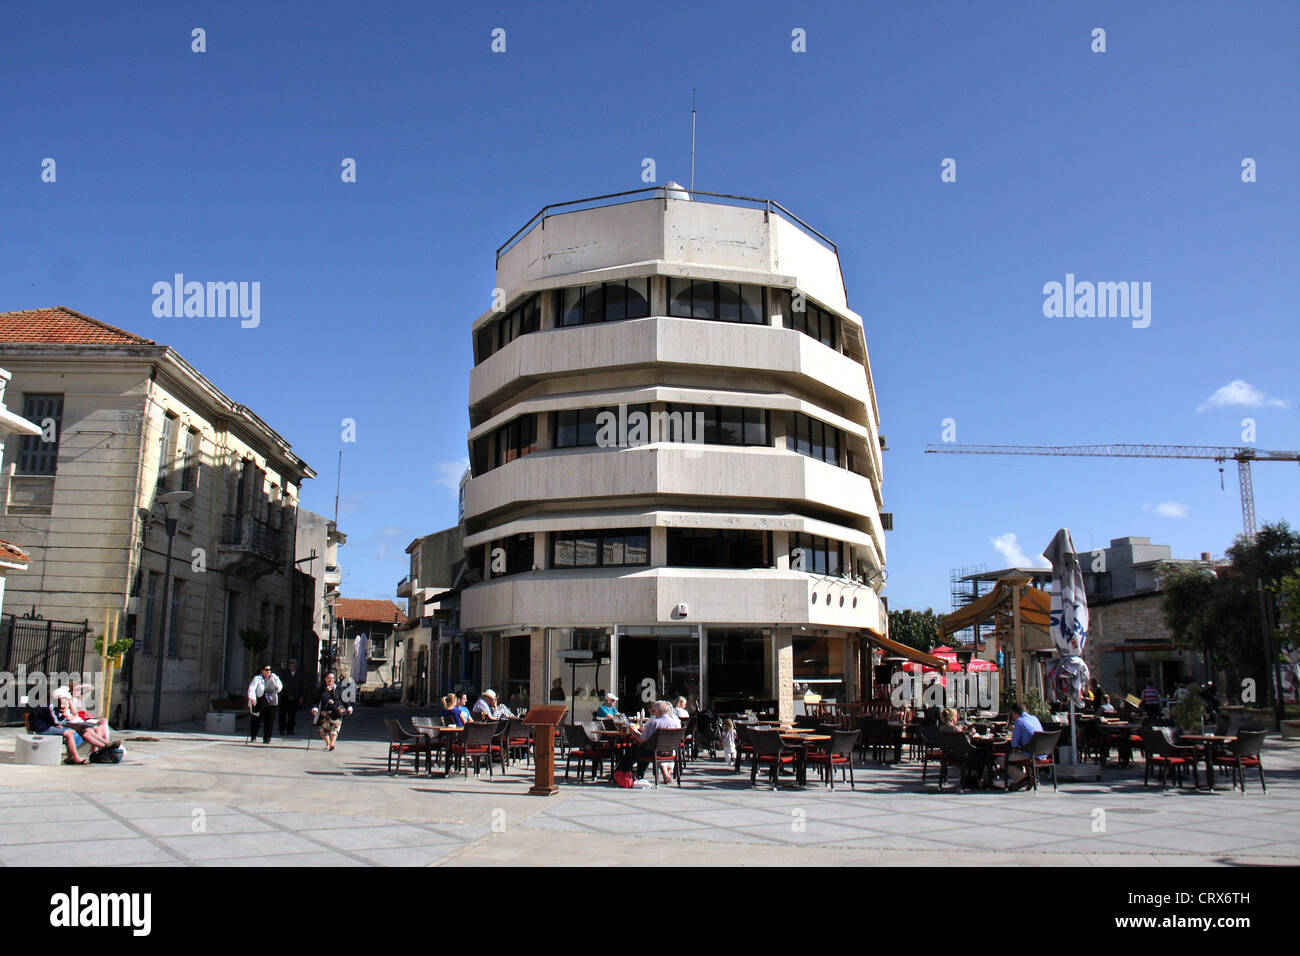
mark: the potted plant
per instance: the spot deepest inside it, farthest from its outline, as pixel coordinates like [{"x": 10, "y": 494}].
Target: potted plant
[
  {"x": 1189, "y": 710},
  {"x": 254, "y": 641}
]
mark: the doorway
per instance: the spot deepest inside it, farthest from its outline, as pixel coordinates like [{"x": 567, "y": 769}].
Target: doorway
[{"x": 657, "y": 668}]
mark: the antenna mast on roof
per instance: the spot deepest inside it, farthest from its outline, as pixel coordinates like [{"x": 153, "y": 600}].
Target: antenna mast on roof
[
  {"x": 692, "y": 139},
  {"x": 338, "y": 483}
]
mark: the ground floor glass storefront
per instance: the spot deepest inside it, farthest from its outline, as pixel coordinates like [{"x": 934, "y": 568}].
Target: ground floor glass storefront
[{"x": 508, "y": 669}]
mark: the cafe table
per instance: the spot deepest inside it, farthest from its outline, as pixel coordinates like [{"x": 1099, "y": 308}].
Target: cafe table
[
  {"x": 994, "y": 746},
  {"x": 799, "y": 741},
  {"x": 1124, "y": 745},
  {"x": 436, "y": 734},
  {"x": 1206, "y": 744}
]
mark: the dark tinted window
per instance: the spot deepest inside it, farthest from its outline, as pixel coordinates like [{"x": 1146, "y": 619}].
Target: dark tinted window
[
  {"x": 614, "y": 547},
  {"x": 715, "y": 548}
]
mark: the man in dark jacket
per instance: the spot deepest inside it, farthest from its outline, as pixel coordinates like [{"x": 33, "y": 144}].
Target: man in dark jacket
[{"x": 291, "y": 699}]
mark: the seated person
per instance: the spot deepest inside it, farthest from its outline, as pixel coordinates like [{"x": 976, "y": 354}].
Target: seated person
[
  {"x": 609, "y": 708},
  {"x": 451, "y": 714},
  {"x": 55, "y": 721},
  {"x": 462, "y": 708},
  {"x": 662, "y": 718},
  {"x": 1105, "y": 707},
  {"x": 679, "y": 709},
  {"x": 949, "y": 721},
  {"x": 1022, "y": 732},
  {"x": 487, "y": 707}
]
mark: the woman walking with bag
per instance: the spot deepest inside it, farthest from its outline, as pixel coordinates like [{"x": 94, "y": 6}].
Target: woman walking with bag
[{"x": 329, "y": 712}]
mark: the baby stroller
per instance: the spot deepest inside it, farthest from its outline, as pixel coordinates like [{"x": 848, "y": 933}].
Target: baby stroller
[{"x": 708, "y": 733}]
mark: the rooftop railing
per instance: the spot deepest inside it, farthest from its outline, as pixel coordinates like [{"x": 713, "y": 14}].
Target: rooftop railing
[{"x": 666, "y": 193}]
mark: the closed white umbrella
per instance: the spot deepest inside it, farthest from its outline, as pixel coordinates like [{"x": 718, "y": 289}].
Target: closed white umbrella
[
  {"x": 360, "y": 662},
  {"x": 1069, "y": 624}
]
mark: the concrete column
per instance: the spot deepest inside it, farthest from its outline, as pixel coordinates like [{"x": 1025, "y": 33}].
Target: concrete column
[
  {"x": 658, "y": 546},
  {"x": 537, "y": 653},
  {"x": 784, "y": 641},
  {"x": 545, "y": 439},
  {"x": 540, "y": 557},
  {"x": 658, "y": 295},
  {"x": 781, "y": 549},
  {"x": 548, "y": 305}
]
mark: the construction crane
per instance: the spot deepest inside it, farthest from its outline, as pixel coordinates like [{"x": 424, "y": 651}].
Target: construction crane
[{"x": 1241, "y": 455}]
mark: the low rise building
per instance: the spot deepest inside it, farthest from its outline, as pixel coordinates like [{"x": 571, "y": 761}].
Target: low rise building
[{"x": 132, "y": 421}]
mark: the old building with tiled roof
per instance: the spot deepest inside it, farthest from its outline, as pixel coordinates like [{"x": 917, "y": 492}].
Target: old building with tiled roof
[{"x": 128, "y": 420}]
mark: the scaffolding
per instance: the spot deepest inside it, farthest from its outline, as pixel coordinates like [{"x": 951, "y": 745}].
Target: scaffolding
[{"x": 963, "y": 592}]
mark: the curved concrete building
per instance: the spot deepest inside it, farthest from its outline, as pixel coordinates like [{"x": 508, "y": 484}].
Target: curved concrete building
[{"x": 676, "y": 462}]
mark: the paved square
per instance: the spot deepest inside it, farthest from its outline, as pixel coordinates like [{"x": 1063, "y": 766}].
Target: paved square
[{"x": 186, "y": 798}]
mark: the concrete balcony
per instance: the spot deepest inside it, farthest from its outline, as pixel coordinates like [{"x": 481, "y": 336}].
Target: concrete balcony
[
  {"x": 777, "y": 354},
  {"x": 599, "y": 597},
  {"x": 333, "y": 576},
  {"x": 404, "y": 587},
  {"x": 698, "y": 474}
]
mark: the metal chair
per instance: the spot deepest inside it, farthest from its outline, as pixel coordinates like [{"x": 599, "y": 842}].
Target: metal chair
[
  {"x": 837, "y": 754},
  {"x": 1242, "y": 753},
  {"x": 582, "y": 746},
  {"x": 955, "y": 751},
  {"x": 1038, "y": 756},
  {"x": 402, "y": 742},
  {"x": 1162, "y": 754},
  {"x": 475, "y": 743},
  {"x": 930, "y": 750},
  {"x": 668, "y": 745},
  {"x": 518, "y": 741},
  {"x": 769, "y": 750}
]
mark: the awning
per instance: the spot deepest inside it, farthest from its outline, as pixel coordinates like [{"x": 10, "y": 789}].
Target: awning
[
  {"x": 1035, "y": 609},
  {"x": 911, "y": 653}
]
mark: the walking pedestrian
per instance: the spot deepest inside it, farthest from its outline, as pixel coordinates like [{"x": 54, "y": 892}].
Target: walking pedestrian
[
  {"x": 263, "y": 696},
  {"x": 329, "y": 712},
  {"x": 291, "y": 699}
]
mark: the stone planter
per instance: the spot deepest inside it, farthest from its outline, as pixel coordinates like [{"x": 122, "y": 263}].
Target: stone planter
[
  {"x": 1291, "y": 729},
  {"x": 219, "y": 722}
]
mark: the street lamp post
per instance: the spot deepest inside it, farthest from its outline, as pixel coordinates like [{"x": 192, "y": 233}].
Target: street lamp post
[
  {"x": 169, "y": 498},
  {"x": 331, "y": 598}
]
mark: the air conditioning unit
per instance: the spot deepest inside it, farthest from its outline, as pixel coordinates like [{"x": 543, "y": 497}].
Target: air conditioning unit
[{"x": 887, "y": 520}]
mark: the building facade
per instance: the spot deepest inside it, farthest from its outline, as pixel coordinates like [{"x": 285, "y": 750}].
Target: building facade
[
  {"x": 676, "y": 463},
  {"x": 12, "y": 556},
  {"x": 381, "y": 623},
  {"x": 132, "y": 420},
  {"x": 435, "y": 561},
  {"x": 317, "y": 542}
]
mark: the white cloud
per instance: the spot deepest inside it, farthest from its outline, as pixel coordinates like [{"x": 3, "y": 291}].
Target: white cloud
[
  {"x": 1168, "y": 509},
  {"x": 1008, "y": 545},
  {"x": 446, "y": 474},
  {"x": 1239, "y": 393}
]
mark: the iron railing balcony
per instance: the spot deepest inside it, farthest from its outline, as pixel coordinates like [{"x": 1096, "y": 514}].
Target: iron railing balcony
[{"x": 243, "y": 532}]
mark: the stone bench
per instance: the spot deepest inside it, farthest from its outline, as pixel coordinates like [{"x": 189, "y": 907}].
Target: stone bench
[{"x": 44, "y": 750}]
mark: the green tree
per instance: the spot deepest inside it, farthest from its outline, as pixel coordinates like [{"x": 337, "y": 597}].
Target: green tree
[
  {"x": 1289, "y": 608},
  {"x": 917, "y": 629},
  {"x": 1218, "y": 614}
]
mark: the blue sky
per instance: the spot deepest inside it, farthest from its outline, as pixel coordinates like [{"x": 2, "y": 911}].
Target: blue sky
[{"x": 1115, "y": 166}]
